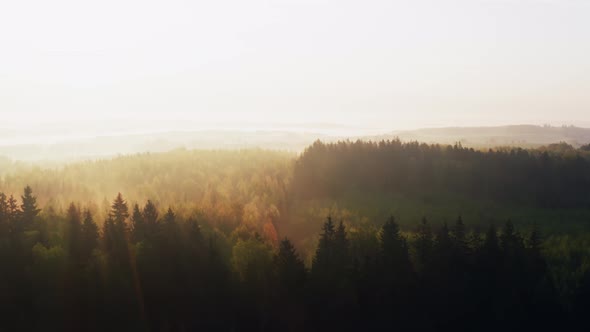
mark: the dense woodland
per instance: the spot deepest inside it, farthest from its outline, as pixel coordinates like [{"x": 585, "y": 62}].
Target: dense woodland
[
  {"x": 259, "y": 240},
  {"x": 553, "y": 177}
]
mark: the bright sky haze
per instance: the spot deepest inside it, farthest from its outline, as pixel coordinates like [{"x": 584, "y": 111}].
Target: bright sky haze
[{"x": 372, "y": 64}]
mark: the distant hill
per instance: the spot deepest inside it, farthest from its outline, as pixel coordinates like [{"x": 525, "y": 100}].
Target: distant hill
[
  {"x": 107, "y": 146},
  {"x": 527, "y": 136},
  {"x": 517, "y": 135}
]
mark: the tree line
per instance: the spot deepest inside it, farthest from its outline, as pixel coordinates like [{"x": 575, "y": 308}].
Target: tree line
[
  {"x": 144, "y": 270},
  {"x": 549, "y": 177}
]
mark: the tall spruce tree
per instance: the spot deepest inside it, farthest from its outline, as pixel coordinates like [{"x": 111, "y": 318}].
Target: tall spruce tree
[
  {"x": 29, "y": 210},
  {"x": 150, "y": 216},
  {"x": 90, "y": 235},
  {"x": 394, "y": 255},
  {"x": 290, "y": 268},
  {"x": 115, "y": 231},
  {"x": 138, "y": 227},
  {"x": 170, "y": 227},
  {"x": 74, "y": 234},
  {"x": 119, "y": 212},
  {"x": 324, "y": 255}
]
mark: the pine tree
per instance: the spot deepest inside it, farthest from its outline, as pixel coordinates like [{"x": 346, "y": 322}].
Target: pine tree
[
  {"x": 290, "y": 268},
  {"x": 115, "y": 231},
  {"x": 324, "y": 255},
  {"x": 443, "y": 255},
  {"x": 73, "y": 233},
  {"x": 109, "y": 235},
  {"x": 169, "y": 230},
  {"x": 424, "y": 243},
  {"x": 29, "y": 208},
  {"x": 150, "y": 216},
  {"x": 342, "y": 257},
  {"x": 4, "y": 215},
  {"x": 119, "y": 211},
  {"x": 117, "y": 226},
  {"x": 510, "y": 240},
  {"x": 394, "y": 254},
  {"x": 15, "y": 225},
  {"x": 89, "y": 235},
  {"x": 138, "y": 227}
]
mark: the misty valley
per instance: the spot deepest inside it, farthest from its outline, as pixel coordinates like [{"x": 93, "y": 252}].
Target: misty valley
[{"x": 349, "y": 235}]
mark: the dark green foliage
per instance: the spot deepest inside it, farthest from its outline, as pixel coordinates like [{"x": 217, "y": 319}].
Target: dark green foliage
[
  {"x": 150, "y": 217},
  {"x": 73, "y": 235},
  {"x": 424, "y": 244},
  {"x": 181, "y": 274},
  {"x": 4, "y": 216},
  {"x": 138, "y": 225},
  {"x": 290, "y": 268},
  {"x": 29, "y": 208},
  {"x": 535, "y": 178},
  {"x": 90, "y": 235},
  {"x": 119, "y": 212},
  {"x": 394, "y": 254},
  {"x": 324, "y": 257}
]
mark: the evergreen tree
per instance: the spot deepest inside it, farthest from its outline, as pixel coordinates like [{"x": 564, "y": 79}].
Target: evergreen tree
[
  {"x": 394, "y": 250},
  {"x": 290, "y": 268},
  {"x": 119, "y": 212},
  {"x": 89, "y": 235},
  {"x": 29, "y": 210},
  {"x": 138, "y": 227},
  {"x": 510, "y": 240},
  {"x": 73, "y": 233},
  {"x": 16, "y": 227},
  {"x": 13, "y": 209},
  {"x": 342, "y": 257},
  {"x": 291, "y": 276},
  {"x": 324, "y": 255},
  {"x": 424, "y": 243},
  {"x": 4, "y": 215},
  {"x": 395, "y": 278},
  {"x": 150, "y": 217},
  {"x": 170, "y": 227},
  {"x": 115, "y": 229},
  {"x": 109, "y": 235}
]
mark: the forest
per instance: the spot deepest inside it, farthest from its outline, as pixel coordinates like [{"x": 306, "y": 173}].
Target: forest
[{"x": 345, "y": 236}]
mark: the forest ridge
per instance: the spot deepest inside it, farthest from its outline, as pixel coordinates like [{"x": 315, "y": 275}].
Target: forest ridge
[
  {"x": 58, "y": 144},
  {"x": 264, "y": 240}
]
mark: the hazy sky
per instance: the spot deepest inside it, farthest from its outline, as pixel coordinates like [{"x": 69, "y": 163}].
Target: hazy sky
[{"x": 384, "y": 64}]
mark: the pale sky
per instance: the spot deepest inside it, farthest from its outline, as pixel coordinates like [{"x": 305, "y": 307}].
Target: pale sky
[{"x": 378, "y": 64}]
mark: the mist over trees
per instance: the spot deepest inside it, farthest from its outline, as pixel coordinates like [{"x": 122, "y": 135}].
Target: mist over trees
[{"x": 242, "y": 240}]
